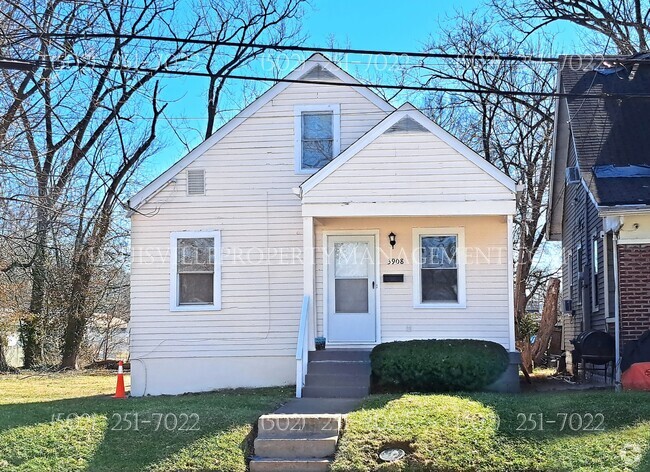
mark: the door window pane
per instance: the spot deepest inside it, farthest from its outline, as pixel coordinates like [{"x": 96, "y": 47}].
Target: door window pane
[
  {"x": 317, "y": 139},
  {"x": 351, "y": 259},
  {"x": 351, "y": 295}
]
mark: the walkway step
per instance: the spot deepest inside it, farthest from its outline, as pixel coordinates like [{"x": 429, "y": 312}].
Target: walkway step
[
  {"x": 340, "y": 355},
  {"x": 335, "y": 392},
  {"x": 297, "y": 425},
  {"x": 339, "y": 367},
  {"x": 337, "y": 380},
  {"x": 296, "y": 448},
  {"x": 264, "y": 464}
]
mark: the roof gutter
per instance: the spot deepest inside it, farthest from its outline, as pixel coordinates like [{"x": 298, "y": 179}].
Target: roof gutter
[{"x": 617, "y": 210}]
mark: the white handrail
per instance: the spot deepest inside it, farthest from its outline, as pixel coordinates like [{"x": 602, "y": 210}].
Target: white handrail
[{"x": 302, "y": 349}]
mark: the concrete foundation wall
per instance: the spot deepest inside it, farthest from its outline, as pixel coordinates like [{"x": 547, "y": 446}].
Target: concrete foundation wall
[
  {"x": 183, "y": 375},
  {"x": 509, "y": 380}
]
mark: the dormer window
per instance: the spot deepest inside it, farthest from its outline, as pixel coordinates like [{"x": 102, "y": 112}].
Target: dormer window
[{"x": 317, "y": 136}]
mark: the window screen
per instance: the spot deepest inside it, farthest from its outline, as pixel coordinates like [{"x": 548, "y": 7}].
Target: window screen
[
  {"x": 195, "y": 269},
  {"x": 317, "y": 139}
]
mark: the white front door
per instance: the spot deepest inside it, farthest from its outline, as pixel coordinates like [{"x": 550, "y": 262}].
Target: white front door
[{"x": 351, "y": 289}]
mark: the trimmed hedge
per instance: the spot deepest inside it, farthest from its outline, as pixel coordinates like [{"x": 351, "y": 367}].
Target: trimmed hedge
[{"x": 437, "y": 365}]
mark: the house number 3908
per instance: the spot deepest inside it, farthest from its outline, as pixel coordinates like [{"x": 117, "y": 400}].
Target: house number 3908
[{"x": 394, "y": 261}]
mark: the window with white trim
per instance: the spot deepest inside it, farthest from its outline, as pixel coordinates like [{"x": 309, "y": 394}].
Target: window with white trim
[
  {"x": 595, "y": 273},
  {"x": 317, "y": 136},
  {"x": 439, "y": 268},
  {"x": 195, "y": 259}
]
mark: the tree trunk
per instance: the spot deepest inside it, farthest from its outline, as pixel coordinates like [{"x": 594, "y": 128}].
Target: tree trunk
[
  {"x": 82, "y": 273},
  {"x": 74, "y": 333},
  {"x": 533, "y": 354},
  {"x": 4, "y": 366},
  {"x": 77, "y": 311},
  {"x": 29, "y": 325},
  {"x": 547, "y": 324}
]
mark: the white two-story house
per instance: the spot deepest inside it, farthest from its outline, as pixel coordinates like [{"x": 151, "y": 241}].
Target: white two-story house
[{"x": 320, "y": 210}]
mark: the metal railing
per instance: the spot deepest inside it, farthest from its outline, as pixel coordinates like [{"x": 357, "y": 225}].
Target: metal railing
[{"x": 302, "y": 350}]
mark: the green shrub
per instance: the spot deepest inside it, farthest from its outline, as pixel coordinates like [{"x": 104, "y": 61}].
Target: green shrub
[{"x": 437, "y": 365}]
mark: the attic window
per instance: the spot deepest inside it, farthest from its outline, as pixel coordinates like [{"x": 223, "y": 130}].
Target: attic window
[
  {"x": 196, "y": 182},
  {"x": 317, "y": 136}
]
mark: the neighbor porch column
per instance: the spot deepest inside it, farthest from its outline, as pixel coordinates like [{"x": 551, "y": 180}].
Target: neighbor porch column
[{"x": 309, "y": 267}]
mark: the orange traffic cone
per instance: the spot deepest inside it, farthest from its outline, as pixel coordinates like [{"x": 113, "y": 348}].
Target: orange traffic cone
[{"x": 119, "y": 390}]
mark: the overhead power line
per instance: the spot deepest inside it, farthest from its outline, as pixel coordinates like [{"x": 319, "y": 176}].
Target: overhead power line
[
  {"x": 209, "y": 42},
  {"x": 254, "y": 78}
]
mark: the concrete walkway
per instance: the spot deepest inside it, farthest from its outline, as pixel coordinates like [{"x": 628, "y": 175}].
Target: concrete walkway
[{"x": 319, "y": 406}]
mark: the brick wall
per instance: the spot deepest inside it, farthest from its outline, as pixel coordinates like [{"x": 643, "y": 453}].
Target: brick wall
[{"x": 634, "y": 281}]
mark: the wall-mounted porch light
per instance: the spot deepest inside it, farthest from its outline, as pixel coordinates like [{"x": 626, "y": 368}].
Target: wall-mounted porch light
[{"x": 391, "y": 239}]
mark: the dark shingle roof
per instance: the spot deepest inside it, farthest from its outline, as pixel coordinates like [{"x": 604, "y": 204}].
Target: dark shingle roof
[{"x": 612, "y": 132}]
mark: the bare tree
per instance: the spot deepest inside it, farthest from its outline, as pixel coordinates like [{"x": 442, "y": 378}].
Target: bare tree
[
  {"x": 86, "y": 117},
  {"x": 81, "y": 129},
  {"x": 512, "y": 132},
  {"x": 272, "y": 22},
  {"x": 624, "y": 22}
]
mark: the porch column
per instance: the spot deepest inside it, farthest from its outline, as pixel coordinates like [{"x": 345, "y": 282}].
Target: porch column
[
  {"x": 309, "y": 267},
  {"x": 511, "y": 286}
]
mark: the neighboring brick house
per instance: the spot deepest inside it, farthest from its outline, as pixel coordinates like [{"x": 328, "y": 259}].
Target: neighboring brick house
[{"x": 599, "y": 205}]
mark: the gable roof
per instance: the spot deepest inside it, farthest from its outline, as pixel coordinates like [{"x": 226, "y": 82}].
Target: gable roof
[
  {"x": 410, "y": 118},
  {"x": 610, "y": 135},
  {"x": 317, "y": 67}
]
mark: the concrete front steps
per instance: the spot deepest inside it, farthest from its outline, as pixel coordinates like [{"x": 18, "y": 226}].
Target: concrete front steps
[
  {"x": 295, "y": 442},
  {"x": 337, "y": 373}
]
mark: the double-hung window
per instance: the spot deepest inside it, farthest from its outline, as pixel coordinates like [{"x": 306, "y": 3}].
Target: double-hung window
[
  {"x": 317, "y": 136},
  {"x": 439, "y": 268},
  {"x": 195, "y": 271}
]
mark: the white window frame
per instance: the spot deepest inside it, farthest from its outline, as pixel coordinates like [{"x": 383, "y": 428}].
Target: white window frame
[
  {"x": 173, "y": 270},
  {"x": 298, "y": 110},
  {"x": 418, "y": 233}
]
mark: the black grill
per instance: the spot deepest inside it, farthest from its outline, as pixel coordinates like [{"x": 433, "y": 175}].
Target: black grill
[{"x": 596, "y": 348}]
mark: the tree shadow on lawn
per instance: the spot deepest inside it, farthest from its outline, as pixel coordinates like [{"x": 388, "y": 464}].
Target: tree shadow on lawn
[
  {"x": 208, "y": 431},
  {"x": 496, "y": 431}
]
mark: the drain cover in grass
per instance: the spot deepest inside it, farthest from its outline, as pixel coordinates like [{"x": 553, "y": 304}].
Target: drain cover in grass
[{"x": 391, "y": 454}]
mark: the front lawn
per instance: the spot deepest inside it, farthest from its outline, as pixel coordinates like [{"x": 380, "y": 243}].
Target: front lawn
[
  {"x": 68, "y": 422},
  {"x": 581, "y": 431}
]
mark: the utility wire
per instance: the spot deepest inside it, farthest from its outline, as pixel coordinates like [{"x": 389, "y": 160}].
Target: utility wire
[
  {"x": 208, "y": 42},
  {"x": 188, "y": 73}
]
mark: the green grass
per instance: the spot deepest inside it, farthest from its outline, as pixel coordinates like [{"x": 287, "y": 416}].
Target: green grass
[
  {"x": 482, "y": 432},
  {"x": 87, "y": 437}
]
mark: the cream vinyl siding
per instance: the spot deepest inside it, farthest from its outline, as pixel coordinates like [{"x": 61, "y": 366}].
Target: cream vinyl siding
[
  {"x": 486, "y": 313},
  {"x": 407, "y": 167},
  {"x": 249, "y": 176}
]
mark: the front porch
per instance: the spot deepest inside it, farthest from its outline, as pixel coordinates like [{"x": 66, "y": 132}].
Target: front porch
[
  {"x": 366, "y": 291},
  {"x": 363, "y": 290}
]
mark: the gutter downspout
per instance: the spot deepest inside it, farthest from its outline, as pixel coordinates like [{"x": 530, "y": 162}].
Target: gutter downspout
[{"x": 617, "y": 321}]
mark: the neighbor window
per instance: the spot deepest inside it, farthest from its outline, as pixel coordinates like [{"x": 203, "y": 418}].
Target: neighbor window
[
  {"x": 595, "y": 269},
  {"x": 317, "y": 136},
  {"x": 195, "y": 270},
  {"x": 439, "y": 268},
  {"x": 579, "y": 261}
]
